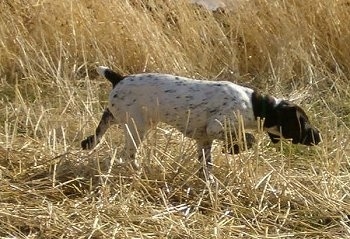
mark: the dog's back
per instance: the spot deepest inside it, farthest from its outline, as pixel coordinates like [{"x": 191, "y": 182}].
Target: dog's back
[{"x": 179, "y": 101}]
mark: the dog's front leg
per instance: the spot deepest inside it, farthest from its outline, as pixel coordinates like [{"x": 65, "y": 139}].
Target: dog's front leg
[{"x": 204, "y": 157}]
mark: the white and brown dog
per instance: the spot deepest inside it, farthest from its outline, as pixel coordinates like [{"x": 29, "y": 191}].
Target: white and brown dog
[{"x": 200, "y": 109}]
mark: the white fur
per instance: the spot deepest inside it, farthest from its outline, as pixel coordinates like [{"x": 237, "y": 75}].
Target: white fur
[
  {"x": 197, "y": 108},
  {"x": 200, "y": 109}
]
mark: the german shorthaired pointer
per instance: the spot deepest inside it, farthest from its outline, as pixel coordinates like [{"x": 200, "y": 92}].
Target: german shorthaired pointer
[{"x": 200, "y": 109}]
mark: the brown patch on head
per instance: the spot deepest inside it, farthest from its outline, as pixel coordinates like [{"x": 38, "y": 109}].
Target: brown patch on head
[
  {"x": 286, "y": 119},
  {"x": 294, "y": 124}
]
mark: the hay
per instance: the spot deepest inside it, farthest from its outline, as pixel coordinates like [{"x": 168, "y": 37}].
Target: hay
[{"x": 51, "y": 97}]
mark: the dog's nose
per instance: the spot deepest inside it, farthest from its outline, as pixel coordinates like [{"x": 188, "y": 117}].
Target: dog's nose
[
  {"x": 316, "y": 137},
  {"x": 313, "y": 137}
]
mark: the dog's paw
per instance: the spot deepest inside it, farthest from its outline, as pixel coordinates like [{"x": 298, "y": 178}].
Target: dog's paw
[
  {"x": 88, "y": 143},
  {"x": 235, "y": 148},
  {"x": 232, "y": 149}
]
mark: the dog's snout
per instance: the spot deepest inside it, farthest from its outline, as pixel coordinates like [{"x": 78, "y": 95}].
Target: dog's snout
[
  {"x": 312, "y": 137},
  {"x": 316, "y": 136}
]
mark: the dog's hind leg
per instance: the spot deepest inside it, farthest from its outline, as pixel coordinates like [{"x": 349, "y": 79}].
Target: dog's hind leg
[{"x": 106, "y": 121}]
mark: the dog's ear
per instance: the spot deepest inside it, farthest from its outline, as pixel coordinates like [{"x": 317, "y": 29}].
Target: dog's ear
[
  {"x": 290, "y": 116},
  {"x": 292, "y": 123}
]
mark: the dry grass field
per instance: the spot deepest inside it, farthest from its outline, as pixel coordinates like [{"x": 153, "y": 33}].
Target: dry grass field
[{"x": 51, "y": 98}]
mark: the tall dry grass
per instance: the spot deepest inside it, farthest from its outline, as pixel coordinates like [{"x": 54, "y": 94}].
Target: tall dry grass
[{"x": 51, "y": 97}]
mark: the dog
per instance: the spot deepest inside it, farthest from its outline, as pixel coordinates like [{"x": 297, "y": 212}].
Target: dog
[{"x": 201, "y": 109}]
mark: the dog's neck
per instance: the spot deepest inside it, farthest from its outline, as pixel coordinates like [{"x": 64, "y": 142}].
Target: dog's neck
[{"x": 264, "y": 108}]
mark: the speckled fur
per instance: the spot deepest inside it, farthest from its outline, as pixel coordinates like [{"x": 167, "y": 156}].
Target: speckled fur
[
  {"x": 200, "y": 109},
  {"x": 195, "y": 107}
]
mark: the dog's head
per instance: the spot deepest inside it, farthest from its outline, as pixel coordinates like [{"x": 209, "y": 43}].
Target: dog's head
[{"x": 291, "y": 122}]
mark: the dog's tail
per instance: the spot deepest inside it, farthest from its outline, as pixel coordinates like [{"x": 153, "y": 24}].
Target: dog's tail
[{"x": 110, "y": 75}]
